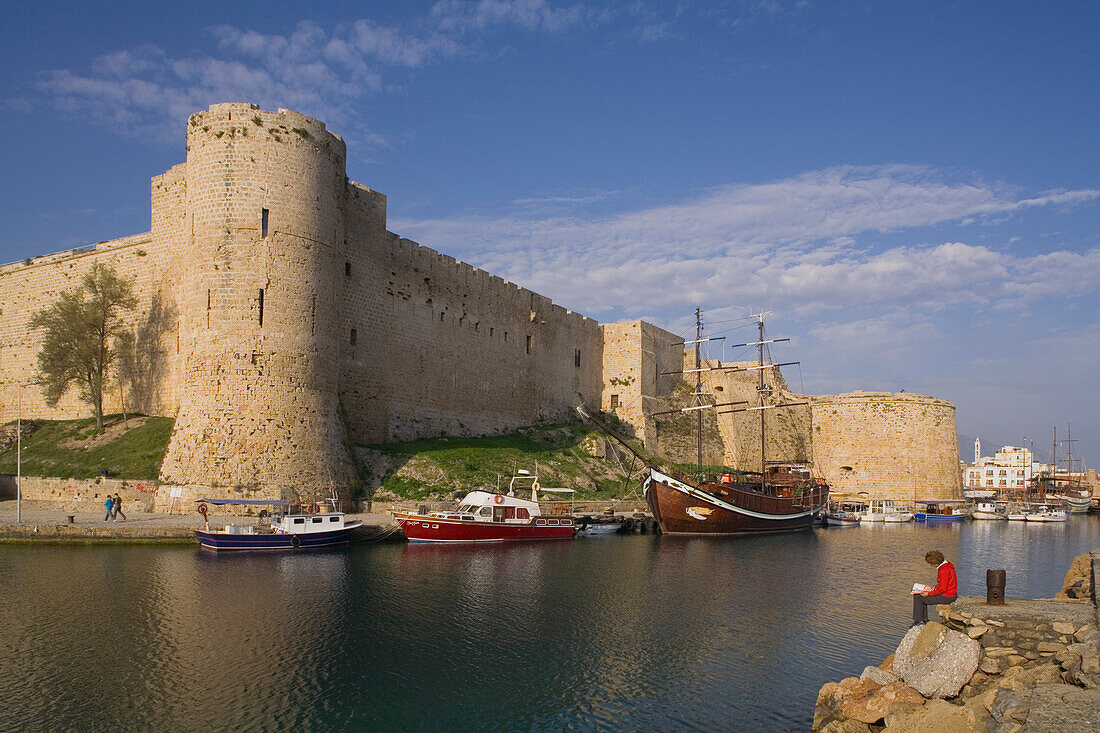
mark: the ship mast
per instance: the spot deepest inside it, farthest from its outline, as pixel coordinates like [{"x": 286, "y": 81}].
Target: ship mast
[
  {"x": 698, "y": 393},
  {"x": 760, "y": 393}
]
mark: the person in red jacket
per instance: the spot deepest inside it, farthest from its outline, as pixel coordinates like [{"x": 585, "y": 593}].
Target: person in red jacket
[{"x": 946, "y": 589}]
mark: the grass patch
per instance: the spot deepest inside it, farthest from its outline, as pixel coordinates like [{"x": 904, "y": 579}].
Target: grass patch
[
  {"x": 437, "y": 468},
  {"x": 135, "y": 454}
]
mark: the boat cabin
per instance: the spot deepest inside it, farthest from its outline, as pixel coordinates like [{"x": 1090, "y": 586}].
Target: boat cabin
[{"x": 483, "y": 506}]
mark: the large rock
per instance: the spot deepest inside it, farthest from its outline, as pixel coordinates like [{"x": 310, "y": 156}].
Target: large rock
[
  {"x": 1077, "y": 584},
  {"x": 880, "y": 701},
  {"x": 936, "y": 660},
  {"x": 939, "y": 716},
  {"x": 832, "y": 694},
  {"x": 1056, "y": 708}
]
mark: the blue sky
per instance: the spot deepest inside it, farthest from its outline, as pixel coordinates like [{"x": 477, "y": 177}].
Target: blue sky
[{"x": 911, "y": 187}]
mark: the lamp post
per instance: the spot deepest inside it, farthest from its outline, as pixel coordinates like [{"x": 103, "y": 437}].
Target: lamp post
[{"x": 19, "y": 453}]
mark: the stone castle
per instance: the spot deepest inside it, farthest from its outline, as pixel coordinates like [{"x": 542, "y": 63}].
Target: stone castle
[{"x": 280, "y": 324}]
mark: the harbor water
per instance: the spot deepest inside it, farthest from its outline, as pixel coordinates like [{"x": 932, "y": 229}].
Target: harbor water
[{"x": 612, "y": 633}]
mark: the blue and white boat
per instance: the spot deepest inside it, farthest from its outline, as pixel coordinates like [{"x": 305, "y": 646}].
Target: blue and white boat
[
  {"x": 940, "y": 511},
  {"x": 288, "y": 527}
]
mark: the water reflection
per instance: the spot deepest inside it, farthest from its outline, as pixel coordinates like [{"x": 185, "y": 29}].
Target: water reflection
[{"x": 636, "y": 632}]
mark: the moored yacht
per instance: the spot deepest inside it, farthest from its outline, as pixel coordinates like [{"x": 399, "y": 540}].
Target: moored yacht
[
  {"x": 990, "y": 510},
  {"x": 886, "y": 510},
  {"x": 485, "y": 516}
]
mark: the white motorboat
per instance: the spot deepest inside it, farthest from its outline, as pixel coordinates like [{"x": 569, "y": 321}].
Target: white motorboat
[
  {"x": 1048, "y": 513},
  {"x": 885, "y": 510},
  {"x": 990, "y": 510}
]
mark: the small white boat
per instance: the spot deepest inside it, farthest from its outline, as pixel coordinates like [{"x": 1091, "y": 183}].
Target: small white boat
[
  {"x": 844, "y": 514},
  {"x": 990, "y": 510},
  {"x": 885, "y": 510},
  {"x": 1047, "y": 513}
]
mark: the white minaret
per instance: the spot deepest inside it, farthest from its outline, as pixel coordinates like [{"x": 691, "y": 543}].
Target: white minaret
[{"x": 977, "y": 450}]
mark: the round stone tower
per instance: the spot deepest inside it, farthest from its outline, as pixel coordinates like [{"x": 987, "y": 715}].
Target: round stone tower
[
  {"x": 259, "y": 327},
  {"x": 897, "y": 446}
]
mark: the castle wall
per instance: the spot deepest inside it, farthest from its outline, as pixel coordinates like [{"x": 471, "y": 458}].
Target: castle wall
[
  {"x": 465, "y": 352},
  {"x": 637, "y": 360},
  {"x": 900, "y": 446},
  {"x": 278, "y": 320},
  {"x": 35, "y": 284},
  {"x": 259, "y": 327}
]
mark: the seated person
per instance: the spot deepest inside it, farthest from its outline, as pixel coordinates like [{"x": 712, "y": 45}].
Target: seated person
[{"x": 946, "y": 589}]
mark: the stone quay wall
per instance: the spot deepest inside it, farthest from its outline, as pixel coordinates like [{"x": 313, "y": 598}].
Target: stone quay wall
[
  {"x": 1024, "y": 665},
  {"x": 83, "y": 495}
]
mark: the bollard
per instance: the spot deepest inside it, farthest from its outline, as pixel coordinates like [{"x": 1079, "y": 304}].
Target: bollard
[{"x": 995, "y": 587}]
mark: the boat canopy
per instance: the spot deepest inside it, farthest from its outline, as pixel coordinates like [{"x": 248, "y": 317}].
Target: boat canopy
[
  {"x": 250, "y": 502},
  {"x": 940, "y": 501}
]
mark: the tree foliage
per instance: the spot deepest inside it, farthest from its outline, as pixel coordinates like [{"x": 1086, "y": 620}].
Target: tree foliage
[{"x": 81, "y": 339}]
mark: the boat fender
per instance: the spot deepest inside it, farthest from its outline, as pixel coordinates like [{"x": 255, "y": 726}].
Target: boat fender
[
  {"x": 498, "y": 499},
  {"x": 296, "y": 542}
]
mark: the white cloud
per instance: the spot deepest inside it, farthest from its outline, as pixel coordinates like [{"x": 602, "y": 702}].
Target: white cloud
[
  {"x": 532, "y": 15},
  {"x": 322, "y": 73},
  {"x": 795, "y": 241}
]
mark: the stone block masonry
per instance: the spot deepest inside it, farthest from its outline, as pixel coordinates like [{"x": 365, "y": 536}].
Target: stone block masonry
[{"x": 279, "y": 323}]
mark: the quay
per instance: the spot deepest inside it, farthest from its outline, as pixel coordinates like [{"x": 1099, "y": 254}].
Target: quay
[
  {"x": 1030, "y": 665},
  {"x": 44, "y": 522}
]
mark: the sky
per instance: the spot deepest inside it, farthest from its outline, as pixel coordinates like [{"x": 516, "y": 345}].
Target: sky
[{"x": 911, "y": 189}]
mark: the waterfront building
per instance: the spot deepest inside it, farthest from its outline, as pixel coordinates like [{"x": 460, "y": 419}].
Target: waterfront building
[{"x": 1010, "y": 468}]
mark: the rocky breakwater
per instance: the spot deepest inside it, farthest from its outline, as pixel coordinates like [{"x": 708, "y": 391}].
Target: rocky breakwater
[{"x": 1027, "y": 665}]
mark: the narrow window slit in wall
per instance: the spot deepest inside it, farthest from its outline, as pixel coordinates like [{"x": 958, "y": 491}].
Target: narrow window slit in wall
[
  {"x": 528, "y": 344},
  {"x": 577, "y": 358},
  {"x": 347, "y": 269},
  {"x": 614, "y": 402},
  {"x": 208, "y": 308},
  {"x": 263, "y": 222},
  {"x": 313, "y": 314},
  {"x": 261, "y": 304},
  {"x": 441, "y": 316},
  {"x": 353, "y": 337}
]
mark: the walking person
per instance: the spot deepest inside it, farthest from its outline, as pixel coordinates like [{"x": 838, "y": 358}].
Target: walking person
[
  {"x": 946, "y": 589},
  {"x": 110, "y": 504},
  {"x": 118, "y": 507}
]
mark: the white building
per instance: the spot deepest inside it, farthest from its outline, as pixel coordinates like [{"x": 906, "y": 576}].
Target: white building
[{"x": 1010, "y": 468}]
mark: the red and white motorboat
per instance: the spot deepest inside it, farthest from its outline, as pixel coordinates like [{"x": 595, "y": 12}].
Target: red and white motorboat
[{"x": 483, "y": 516}]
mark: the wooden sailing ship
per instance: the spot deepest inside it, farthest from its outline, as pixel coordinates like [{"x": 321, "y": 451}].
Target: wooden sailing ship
[{"x": 785, "y": 497}]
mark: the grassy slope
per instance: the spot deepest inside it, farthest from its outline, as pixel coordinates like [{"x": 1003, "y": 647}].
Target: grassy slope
[
  {"x": 438, "y": 467},
  {"x": 135, "y": 454}
]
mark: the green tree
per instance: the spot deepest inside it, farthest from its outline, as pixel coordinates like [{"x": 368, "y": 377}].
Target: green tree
[{"x": 81, "y": 338}]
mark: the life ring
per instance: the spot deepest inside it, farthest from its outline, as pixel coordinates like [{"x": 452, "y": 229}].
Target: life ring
[
  {"x": 535, "y": 486},
  {"x": 202, "y": 510},
  {"x": 312, "y": 509},
  {"x": 498, "y": 499}
]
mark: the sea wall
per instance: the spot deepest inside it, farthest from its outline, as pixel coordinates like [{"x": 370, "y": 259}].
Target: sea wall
[{"x": 1029, "y": 664}]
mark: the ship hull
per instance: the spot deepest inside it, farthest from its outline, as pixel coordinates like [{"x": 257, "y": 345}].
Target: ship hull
[
  {"x": 220, "y": 541},
  {"x": 729, "y": 509},
  {"x": 423, "y": 528}
]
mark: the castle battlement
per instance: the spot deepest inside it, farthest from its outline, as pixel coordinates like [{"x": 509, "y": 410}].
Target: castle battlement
[{"x": 280, "y": 322}]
